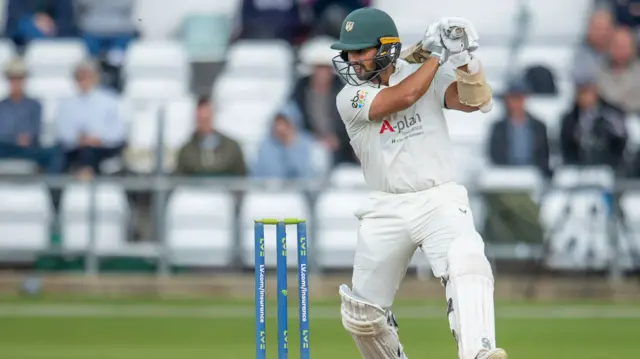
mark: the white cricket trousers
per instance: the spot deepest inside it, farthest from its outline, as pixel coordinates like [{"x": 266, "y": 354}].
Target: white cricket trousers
[{"x": 393, "y": 226}]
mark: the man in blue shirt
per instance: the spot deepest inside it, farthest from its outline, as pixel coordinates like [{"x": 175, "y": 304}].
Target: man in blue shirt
[
  {"x": 518, "y": 140},
  {"x": 21, "y": 121},
  {"x": 286, "y": 152},
  {"x": 89, "y": 126}
]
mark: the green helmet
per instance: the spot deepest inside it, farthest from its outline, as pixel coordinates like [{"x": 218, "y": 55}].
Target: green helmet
[{"x": 362, "y": 29}]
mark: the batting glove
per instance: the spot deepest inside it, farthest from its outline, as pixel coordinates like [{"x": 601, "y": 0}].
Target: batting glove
[
  {"x": 432, "y": 42},
  {"x": 458, "y": 35}
]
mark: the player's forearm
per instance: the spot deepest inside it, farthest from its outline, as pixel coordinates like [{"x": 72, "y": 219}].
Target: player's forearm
[
  {"x": 406, "y": 93},
  {"x": 452, "y": 100}
]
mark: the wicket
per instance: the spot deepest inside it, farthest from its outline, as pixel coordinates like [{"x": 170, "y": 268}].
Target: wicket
[{"x": 281, "y": 269}]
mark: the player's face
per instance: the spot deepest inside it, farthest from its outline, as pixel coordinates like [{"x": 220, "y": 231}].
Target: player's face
[{"x": 362, "y": 62}]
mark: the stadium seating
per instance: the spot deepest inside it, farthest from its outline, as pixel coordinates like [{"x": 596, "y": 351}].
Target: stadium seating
[
  {"x": 522, "y": 179},
  {"x": 230, "y": 90},
  {"x": 561, "y": 22},
  {"x": 576, "y": 221},
  {"x": 206, "y": 36},
  {"x": 26, "y": 215},
  {"x": 316, "y": 51},
  {"x": 199, "y": 225},
  {"x": 50, "y": 91},
  {"x": 336, "y": 227},
  {"x": 247, "y": 123},
  {"x": 149, "y": 59},
  {"x": 144, "y": 126},
  {"x": 159, "y": 19},
  {"x": 7, "y": 51},
  {"x": 142, "y": 139},
  {"x": 496, "y": 62},
  {"x": 51, "y": 87},
  {"x": 629, "y": 240},
  {"x": 256, "y": 205},
  {"x": 54, "y": 58},
  {"x": 153, "y": 90},
  {"x": 112, "y": 218},
  {"x": 578, "y": 227},
  {"x": 558, "y": 58},
  {"x": 255, "y": 58},
  {"x": 549, "y": 110},
  {"x": 347, "y": 176}
]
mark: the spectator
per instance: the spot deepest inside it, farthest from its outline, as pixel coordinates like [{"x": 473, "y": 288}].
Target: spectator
[
  {"x": 518, "y": 140},
  {"x": 315, "y": 95},
  {"x": 21, "y": 121},
  {"x": 107, "y": 27},
  {"x": 286, "y": 152},
  {"x": 593, "y": 131},
  {"x": 329, "y": 15},
  {"x": 270, "y": 19},
  {"x": 596, "y": 45},
  {"x": 210, "y": 152},
  {"x": 88, "y": 125},
  {"x": 619, "y": 77},
  {"x": 37, "y": 19},
  {"x": 627, "y": 12}
]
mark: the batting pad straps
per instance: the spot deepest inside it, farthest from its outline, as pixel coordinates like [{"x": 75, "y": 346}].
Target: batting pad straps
[
  {"x": 369, "y": 326},
  {"x": 473, "y": 89}
]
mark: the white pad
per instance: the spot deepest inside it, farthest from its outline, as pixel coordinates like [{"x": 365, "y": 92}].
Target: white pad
[
  {"x": 469, "y": 291},
  {"x": 373, "y": 329}
]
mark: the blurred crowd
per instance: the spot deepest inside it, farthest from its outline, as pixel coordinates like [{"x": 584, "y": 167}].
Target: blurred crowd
[
  {"x": 593, "y": 130},
  {"x": 89, "y": 129}
]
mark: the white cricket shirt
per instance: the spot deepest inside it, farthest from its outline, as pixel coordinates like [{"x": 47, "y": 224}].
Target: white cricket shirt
[{"x": 409, "y": 151}]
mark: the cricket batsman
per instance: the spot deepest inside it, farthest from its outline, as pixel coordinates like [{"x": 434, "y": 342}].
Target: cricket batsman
[{"x": 392, "y": 107}]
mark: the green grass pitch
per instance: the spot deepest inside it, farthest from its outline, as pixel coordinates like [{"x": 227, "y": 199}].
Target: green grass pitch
[{"x": 104, "y": 329}]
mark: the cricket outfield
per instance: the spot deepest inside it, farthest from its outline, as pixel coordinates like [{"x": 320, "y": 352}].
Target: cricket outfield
[{"x": 187, "y": 329}]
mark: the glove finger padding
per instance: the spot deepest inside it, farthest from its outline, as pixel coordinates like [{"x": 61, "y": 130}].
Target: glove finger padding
[
  {"x": 420, "y": 52},
  {"x": 415, "y": 54},
  {"x": 473, "y": 89}
]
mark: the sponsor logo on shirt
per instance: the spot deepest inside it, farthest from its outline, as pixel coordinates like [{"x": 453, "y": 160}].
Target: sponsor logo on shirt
[
  {"x": 402, "y": 128},
  {"x": 358, "y": 100},
  {"x": 405, "y": 124}
]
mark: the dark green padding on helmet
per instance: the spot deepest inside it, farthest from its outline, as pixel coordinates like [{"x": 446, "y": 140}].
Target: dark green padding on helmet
[{"x": 363, "y": 28}]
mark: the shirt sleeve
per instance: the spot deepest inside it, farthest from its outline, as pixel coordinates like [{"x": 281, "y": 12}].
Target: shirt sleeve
[
  {"x": 354, "y": 104},
  {"x": 445, "y": 76}
]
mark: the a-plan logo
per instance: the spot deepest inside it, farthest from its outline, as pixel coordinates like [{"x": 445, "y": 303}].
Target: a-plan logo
[
  {"x": 358, "y": 100},
  {"x": 401, "y": 125}
]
